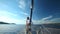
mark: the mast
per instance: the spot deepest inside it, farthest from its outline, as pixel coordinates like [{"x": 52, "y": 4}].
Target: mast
[{"x": 31, "y": 7}]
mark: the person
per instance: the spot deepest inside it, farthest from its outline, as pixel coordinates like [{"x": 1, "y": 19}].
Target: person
[
  {"x": 27, "y": 21},
  {"x": 28, "y": 24}
]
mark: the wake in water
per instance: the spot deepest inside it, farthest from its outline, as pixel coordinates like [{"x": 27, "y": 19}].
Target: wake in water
[
  {"x": 44, "y": 30},
  {"x": 39, "y": 30}
]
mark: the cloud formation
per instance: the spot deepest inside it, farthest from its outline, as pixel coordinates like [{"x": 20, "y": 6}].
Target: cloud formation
[
  {"x": 6, "y": 16},
  {"x": 46, "y": 20},
  {"x": 11, "y": 20},
  {"x": 6, "y": 13},
  {"x": 24, "y": 13},
  {"x": 22, "y": 4},
  {"x": 47, "y": 17}
]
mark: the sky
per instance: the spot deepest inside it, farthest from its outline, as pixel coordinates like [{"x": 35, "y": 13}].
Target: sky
[{"x": 16, "y": 11}]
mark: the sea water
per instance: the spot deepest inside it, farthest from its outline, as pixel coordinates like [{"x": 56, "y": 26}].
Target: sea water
[
  {"x": 21, "y": 29},
  {"x": 15, "y": 29},
  {"x": 11, "y": 28}
]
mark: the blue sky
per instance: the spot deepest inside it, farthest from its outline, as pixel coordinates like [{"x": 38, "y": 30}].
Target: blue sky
[{"x": 16, "y": 11}]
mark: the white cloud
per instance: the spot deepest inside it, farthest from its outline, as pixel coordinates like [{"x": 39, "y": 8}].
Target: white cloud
[
  {"x": 6, "y": 13},
  {"x": 55, "y": 20},
  {"x": 6, "y": 16},
  {"x": 24, "y": 13},
  {"x": 22, "y": 4},
  {"x": 11, "y": 20},
  {"x": 46, "y": 20}
]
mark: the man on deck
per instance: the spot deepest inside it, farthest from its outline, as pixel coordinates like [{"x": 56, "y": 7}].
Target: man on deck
[{"x": 28, "y": 28}]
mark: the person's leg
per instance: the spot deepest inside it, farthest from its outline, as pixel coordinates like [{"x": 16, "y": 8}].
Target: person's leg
[{"x": 26, "y": 32}]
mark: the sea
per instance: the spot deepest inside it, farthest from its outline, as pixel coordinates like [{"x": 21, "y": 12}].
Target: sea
[{"x": 35, "y": 29}]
